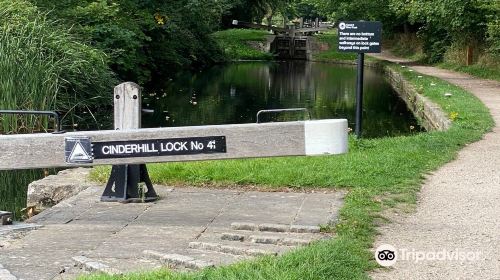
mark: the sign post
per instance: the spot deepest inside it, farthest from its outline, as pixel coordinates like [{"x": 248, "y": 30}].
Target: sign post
[
  {"x": 359, "y": 37},
  {"x": 127, "y": 182}
]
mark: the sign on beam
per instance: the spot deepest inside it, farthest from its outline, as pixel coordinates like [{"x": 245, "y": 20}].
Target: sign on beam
[
  {"x": 78, "y": 150},
  {"x": 138, "y": 146},
  {"x": 360, "y": 36},
  {"x": 159, "y": 147}
]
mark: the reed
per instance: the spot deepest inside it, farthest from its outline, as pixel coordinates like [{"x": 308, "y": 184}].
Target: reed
[
  {"x": 42, "y": 67},
  {"x": 13, "y": 187}
]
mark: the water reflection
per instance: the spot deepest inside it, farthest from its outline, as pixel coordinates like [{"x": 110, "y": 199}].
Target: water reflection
[{"x": 234, "y": 93}]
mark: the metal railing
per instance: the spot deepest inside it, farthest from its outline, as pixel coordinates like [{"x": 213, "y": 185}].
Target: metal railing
[{"x": 54, "y": 114}]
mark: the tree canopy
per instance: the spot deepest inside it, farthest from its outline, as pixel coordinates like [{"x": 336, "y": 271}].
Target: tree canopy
[
  {"x": 439, "y": 23},
  {"x": 145, "y": 39}
]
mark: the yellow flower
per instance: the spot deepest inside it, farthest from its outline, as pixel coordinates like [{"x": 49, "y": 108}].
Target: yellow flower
[
  {"x": 453, "y": 116},
  {"x": 160, "y": 20}
]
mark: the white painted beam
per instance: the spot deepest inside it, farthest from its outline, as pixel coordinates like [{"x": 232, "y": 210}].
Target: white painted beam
[{"x": 325, "y": 137}]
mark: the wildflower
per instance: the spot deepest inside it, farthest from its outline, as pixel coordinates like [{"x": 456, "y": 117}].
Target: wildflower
[
  {"x": 453, "y": 116},
  {"x": 160, "y": 20}
]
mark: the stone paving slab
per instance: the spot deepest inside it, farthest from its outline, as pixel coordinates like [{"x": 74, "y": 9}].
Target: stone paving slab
[
  {"x": 116, "y": 235},
  {"x": 312, "y": 210},
  {"x": 257, "y": 206}
]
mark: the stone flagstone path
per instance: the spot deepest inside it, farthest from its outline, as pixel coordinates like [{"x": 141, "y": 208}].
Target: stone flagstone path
[{"x": 187, "y": 229}]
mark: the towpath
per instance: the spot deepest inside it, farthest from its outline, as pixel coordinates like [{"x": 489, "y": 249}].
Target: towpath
[{"x": 459, "y": 204}]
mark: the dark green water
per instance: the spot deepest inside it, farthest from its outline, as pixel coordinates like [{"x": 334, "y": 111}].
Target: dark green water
[{"x": 234, "y": 93}]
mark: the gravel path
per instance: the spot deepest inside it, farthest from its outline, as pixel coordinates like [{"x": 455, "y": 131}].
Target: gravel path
[{"x": 459, "y": 205}]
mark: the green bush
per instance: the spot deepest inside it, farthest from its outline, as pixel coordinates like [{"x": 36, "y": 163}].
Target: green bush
[
  {"x": 493, "y": 26},
  {"x": 145, "y": 40}
]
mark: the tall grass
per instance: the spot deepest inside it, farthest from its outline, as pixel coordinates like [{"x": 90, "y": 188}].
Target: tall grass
[
  {"x": 28, "y": 80},
  {"x": 42, "y": 67},
  {"x": 13, "y": 185}
]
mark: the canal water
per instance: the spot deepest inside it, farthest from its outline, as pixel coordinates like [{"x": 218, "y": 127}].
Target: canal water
[{"x": 234, "y": 93}]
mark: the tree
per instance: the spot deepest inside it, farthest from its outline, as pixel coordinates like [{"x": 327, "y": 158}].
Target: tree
[
  {"x": 145, "y": 39},
  {"x": 256, "y": 10},
  {"x": 443, "y": 22},
  {"x": 492, "y": 13}
]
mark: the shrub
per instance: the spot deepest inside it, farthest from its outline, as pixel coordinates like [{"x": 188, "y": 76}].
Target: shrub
[{"x": 146, "y": 40}]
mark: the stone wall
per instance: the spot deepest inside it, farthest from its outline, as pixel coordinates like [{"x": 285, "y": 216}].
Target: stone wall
[
  {"x": 429, "y": 114},
  {"x": 263, "y": 46}
]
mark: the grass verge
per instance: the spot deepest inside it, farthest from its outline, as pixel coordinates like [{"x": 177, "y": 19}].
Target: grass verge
[
  {"x": 478, "y": 70},
  {"x": 378, "y": 173},
  {"x": 236, "y": 44}
]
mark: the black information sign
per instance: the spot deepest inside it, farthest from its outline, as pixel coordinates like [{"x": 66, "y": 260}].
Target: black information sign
[
  {"x": 160, "y": 147},
  {"x": 360, "y": 36}
]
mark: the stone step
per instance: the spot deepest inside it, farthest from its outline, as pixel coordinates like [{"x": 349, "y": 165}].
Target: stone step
[
  {"x": 128, "y": 264},
  {"x": 279, "y": 241},
  {"x": 17, "y": 227},
  {"x": 275, "y": 227},
  {"x": 217, "y": 258},
  {"x": 95, "y": 266},
  {"x": 178, "y": 260},
  {"x": 228, "y": 249},
  {"x": 230, "y": 236},
  {"x": 266, "y": 239}
]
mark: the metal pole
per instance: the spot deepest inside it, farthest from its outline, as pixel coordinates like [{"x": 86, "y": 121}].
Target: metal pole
[{"x": 359, "y": 94}]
